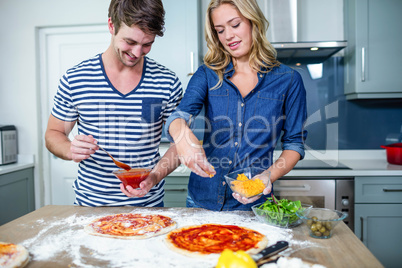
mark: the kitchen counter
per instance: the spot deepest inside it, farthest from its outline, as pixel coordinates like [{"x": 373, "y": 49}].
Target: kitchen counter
[
  {"x": 359, "y": 162},
  {"x": 55, "y": 237},
  {"x": 23, "y": 162}
]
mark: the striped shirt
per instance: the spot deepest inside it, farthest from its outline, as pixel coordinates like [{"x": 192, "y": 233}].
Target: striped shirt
[{"x": 128, "y": 126}]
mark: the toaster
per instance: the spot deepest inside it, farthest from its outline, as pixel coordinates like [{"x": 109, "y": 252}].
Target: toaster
[{"x": 8, "y": 144}]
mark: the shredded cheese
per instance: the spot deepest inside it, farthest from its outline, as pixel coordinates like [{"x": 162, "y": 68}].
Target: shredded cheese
[
  {"x": 211, "y": 175},
  {"x": 247, "y": 187}
]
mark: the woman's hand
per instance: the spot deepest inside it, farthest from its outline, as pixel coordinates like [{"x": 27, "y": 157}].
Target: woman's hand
[
  {"x": 266, "y": 180},
  {"x": 189, "y": 149},
  {"x": 192, "y": 155}
]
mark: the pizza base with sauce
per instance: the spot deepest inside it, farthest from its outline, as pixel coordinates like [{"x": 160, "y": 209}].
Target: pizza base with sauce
[
  {"x": 12, "y": 255},
  {"x": 211, "y": 239},
  {"x": 131, "y": 226}
]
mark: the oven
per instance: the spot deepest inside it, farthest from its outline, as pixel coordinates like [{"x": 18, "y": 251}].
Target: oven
[{"x": 324, "y": 192}]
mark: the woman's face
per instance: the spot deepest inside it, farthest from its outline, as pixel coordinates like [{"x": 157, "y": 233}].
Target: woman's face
[{"x": 234, "y": 31}]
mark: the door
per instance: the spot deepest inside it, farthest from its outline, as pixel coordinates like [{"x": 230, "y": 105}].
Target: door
[
  {"x": 63, "y": 47},
  {"x": 60, "y": 49}
]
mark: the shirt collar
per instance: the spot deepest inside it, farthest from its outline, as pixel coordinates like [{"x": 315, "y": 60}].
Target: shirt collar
[{"x": 229, "y": 71}]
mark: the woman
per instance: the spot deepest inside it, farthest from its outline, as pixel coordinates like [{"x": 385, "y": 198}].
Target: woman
[{"x": 249, "y": 99}]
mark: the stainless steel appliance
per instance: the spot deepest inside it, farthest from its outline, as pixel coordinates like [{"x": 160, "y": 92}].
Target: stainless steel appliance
[
  {"x": 283, "y": 34},
  {"x": 325, "y": 192},
  {"x": 8, "y": 144}
]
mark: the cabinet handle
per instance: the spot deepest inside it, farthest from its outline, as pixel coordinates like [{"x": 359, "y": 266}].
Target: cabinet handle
[
  {"x": 363, "y": 64},
  {"x": 361, "y": 228},
  {"x": 176, "y": 190},
  {"x": 392, "y": 190},
  {"x": 191, "y": 64},
  {"x": 301, "y": 188}
]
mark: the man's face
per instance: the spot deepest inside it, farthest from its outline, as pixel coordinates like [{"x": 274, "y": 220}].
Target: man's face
[{"x": 131, "y": 44}]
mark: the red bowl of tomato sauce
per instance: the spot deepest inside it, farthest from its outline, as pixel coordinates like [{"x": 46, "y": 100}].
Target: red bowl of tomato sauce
[{"x": 132, "y": 177}]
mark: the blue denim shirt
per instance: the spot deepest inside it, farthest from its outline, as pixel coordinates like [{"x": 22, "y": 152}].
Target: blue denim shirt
[{"x": 242, "y": 132}]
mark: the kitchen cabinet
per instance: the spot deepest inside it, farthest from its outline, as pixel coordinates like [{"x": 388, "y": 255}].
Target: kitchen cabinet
[
  {"x": 16, "y": 194},
  {"x": 176, "y": 185},
  {"x": 372, "y": 56},
  {"x": 378, "y": 217},
  {"x": 176, "y": 191}
]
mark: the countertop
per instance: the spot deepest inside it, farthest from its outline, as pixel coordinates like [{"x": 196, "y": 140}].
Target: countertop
[
  {"x": 360, "y": 162},
  {"x": 54, "y": 236},
  {"x": 23, "y": 162}
]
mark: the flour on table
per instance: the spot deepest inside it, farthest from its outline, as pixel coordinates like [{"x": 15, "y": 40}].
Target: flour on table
[
  {"x": 66, "y": 238},
  {"x": 284, "y": 262}
]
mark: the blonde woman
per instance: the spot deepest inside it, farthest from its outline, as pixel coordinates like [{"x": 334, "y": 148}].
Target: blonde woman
[{"x": 249, "y": 99}]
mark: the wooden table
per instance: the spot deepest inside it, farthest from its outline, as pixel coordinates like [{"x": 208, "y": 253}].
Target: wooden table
[{"x": 58, "y": 231}]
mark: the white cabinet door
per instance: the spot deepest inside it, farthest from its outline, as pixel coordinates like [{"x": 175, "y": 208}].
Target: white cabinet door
[{"x": 63, "y": 47}]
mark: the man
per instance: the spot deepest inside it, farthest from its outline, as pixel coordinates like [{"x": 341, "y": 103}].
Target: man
[{"x": 119, "y": 99}]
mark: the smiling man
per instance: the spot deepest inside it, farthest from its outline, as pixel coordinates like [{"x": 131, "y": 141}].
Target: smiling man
[{"x": 120, "y": 100}]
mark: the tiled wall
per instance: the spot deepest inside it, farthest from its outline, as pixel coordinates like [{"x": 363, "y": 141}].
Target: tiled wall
[
  {"x": 360, "y": 124},
  {"x": 336, "y": 123}
]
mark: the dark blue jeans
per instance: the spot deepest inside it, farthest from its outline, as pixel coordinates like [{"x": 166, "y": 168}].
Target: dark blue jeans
[{"x": 190, "y": 203}]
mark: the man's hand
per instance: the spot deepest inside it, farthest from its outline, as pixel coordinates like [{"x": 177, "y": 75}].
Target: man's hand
[
  {"x": 82, "y": 147},
  {"x": 145, "y": 186}
]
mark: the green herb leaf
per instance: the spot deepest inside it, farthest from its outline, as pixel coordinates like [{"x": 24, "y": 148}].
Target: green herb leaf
[{"x": 282, "y": 211}]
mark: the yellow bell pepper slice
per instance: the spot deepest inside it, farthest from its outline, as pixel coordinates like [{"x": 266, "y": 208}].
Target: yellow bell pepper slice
[{"x": 239, "y": 259}]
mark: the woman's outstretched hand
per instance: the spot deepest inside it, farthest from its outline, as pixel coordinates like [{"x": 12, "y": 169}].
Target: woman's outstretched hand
[
  {"x": 192, "y": 155},
  {"x": 189, "y": 149}
]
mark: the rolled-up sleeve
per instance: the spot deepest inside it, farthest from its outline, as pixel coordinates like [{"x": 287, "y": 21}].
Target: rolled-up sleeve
[
  {"x": 175, "y": 115},
  {"x": 192, "y": 102},
  {"x": 296, "y": 115}
]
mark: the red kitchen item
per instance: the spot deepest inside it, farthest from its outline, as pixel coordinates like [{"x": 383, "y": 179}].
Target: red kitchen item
[
  {"x": 132, "y": 177},
  {"x": 394, "y": 153}
]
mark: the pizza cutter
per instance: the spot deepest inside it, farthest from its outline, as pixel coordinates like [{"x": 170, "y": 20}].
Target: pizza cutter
[{"x": 264, "y": 255}]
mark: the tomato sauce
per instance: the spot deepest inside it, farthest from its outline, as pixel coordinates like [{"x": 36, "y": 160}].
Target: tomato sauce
[
  {"x": 133, "y": 177},
  {"x": 211, "y": 238},
  {"x": 131, "y": 224}
]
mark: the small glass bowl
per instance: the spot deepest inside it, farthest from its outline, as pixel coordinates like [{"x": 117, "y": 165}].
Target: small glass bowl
[
  {"x": 278, "y": 219},
  {"x": 132, "y": 177},
  {"x": 321, "y": 221},
  {"x": 249, "y": 172}
]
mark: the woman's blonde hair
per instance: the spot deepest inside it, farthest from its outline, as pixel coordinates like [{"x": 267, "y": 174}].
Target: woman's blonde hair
[{"x": 262, "y": 53}]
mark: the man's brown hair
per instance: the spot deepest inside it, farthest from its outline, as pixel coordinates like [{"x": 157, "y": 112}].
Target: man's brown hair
[{"x": 148, "y": 15}]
